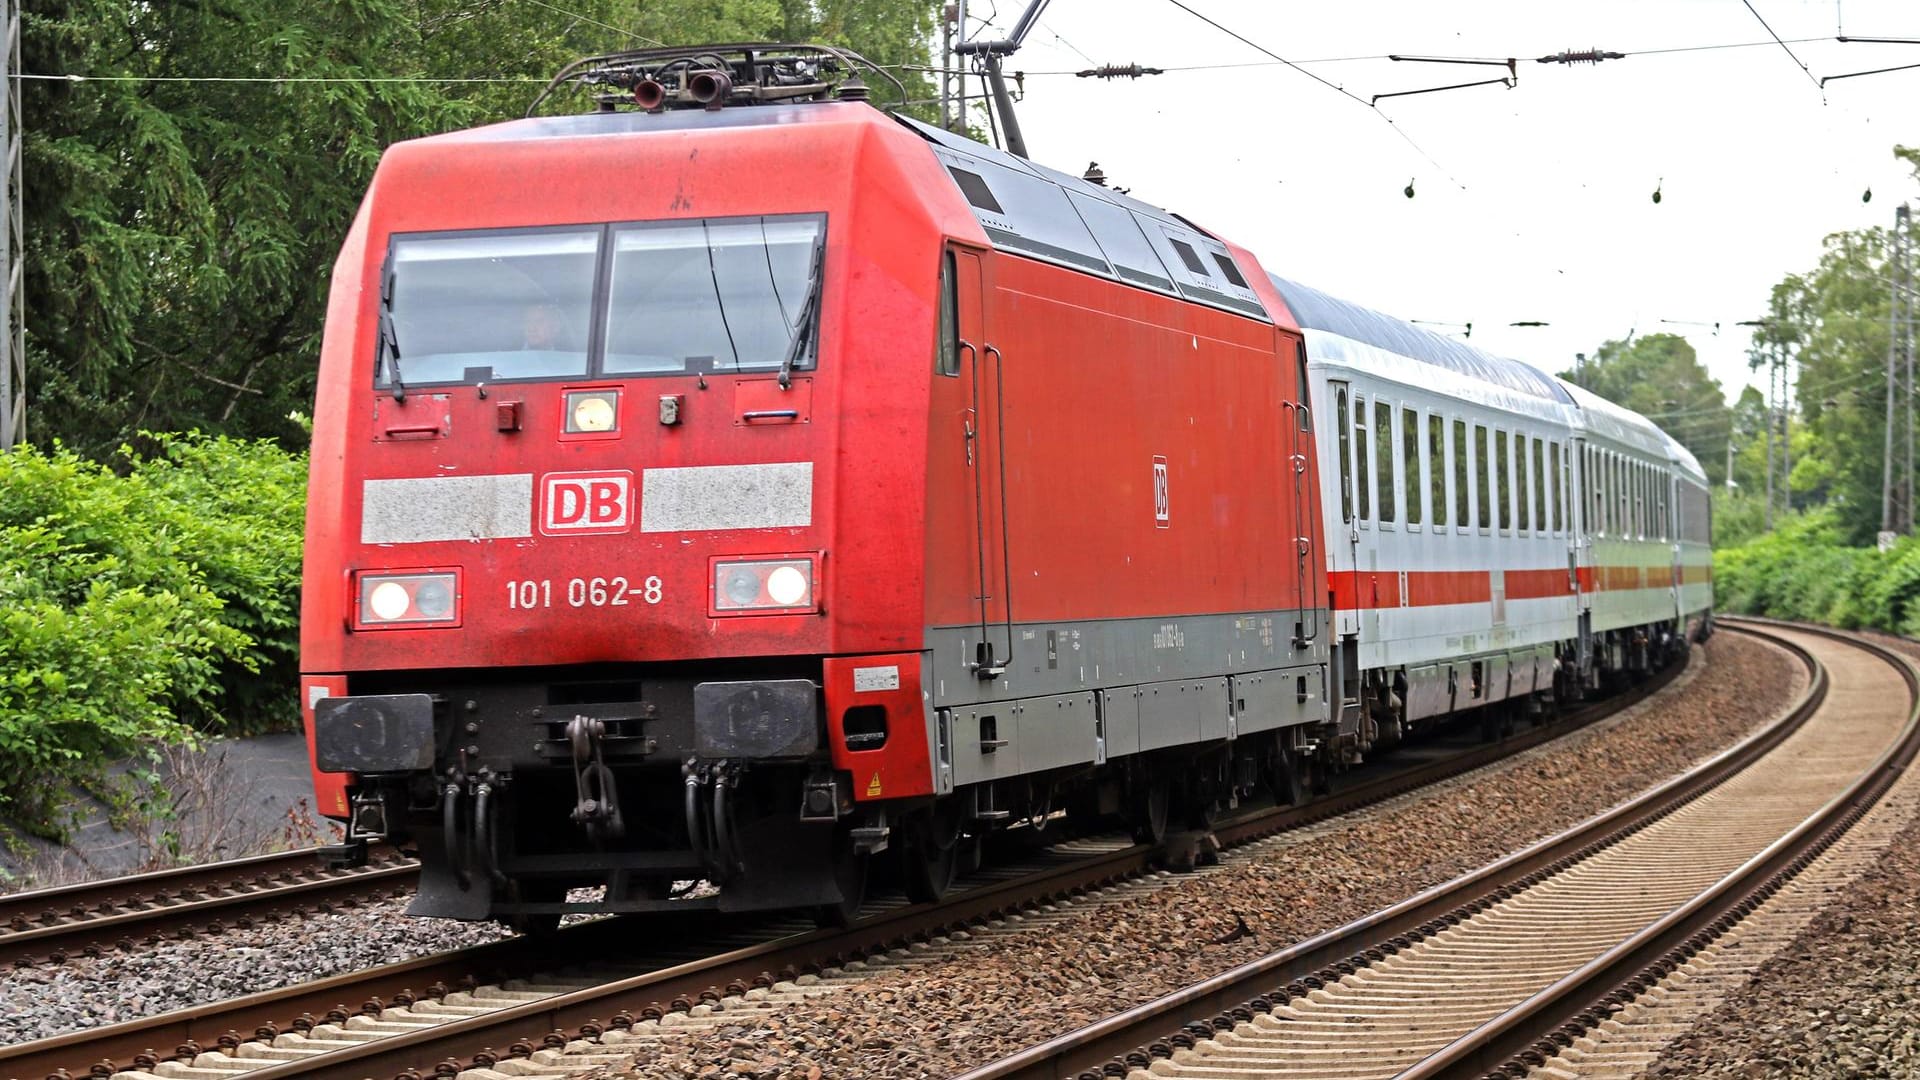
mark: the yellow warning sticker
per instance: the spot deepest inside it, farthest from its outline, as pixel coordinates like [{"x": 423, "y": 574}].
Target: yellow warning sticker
[{"x": 873, "y": 787}]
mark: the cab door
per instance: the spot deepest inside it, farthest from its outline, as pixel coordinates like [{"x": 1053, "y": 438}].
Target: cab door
[{"x": 983, "y": 378}]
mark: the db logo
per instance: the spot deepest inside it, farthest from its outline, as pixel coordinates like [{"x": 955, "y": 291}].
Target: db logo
[{"x": 584, "y": 502}]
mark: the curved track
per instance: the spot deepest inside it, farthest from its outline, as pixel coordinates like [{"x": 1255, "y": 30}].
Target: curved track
[
  {"x": 1501, "y": 967},
  {"x": 520, "y": 997}
]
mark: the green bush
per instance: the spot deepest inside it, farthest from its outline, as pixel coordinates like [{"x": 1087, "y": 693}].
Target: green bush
[
  {"x": 238, "y": 508},
  {"x": 1803, "y": 570},
  {"x": 140, "y": 605}
]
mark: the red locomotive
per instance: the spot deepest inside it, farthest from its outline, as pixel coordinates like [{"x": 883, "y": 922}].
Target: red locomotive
[{"x": 740, "y": 484}]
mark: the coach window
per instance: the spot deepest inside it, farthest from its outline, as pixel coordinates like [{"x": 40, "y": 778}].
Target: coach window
[
  {"x": 1411, "y": 469},
  {"x": 1525, "y": 487},
  {"x": 1640, "y": 499},
  {"x": 1540, "y": 482},
  {"x": 1383, "y": 460},
  {"x": 1553, "y": 488},
  {"x": 1345, "y": 449},
  {"x": 480, "y": 307},
  {"x": 1483, "y": 498},
  {"x": 1362, "y": 459},
  {"x": 1462, "y": 486},
  {"x": 1503, "y": 466},
  {"x": 1626, "y": 497},
  {"x": 1437, "y": 470}
]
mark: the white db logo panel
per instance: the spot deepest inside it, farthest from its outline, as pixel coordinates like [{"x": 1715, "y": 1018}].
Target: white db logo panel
[
  {"x": 586, "y": 502},
  {"x": 1162, "y": 504}
]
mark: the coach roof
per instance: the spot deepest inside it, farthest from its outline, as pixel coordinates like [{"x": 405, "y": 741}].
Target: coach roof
[{"x": 1316, "y": 310}]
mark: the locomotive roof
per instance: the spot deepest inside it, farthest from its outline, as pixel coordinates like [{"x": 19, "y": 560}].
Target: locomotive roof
[
  {"x": 1043, "y": 213},
  {"x": 1315, "y": 310},
  {"x": 577, "y": 125}
]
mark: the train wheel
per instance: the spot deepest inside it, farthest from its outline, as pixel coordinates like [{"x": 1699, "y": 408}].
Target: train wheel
[
  {"x": 1289, "y": 780},
  {"x": 931, "y": 855},
  {"x": 1150, "y": 812},
  {"x": 541, "y": 924},
  {"x": 850, "y": 873},
  {"x": 1489, "y": 723}
]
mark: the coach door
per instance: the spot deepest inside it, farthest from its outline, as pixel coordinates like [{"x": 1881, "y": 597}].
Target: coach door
[
  {"x": 982, "y": 372},
  {"x": 1352, "y": 497}
]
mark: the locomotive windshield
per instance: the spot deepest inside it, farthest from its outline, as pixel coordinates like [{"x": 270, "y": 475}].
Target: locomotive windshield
[{"x": 699, "y": 295}]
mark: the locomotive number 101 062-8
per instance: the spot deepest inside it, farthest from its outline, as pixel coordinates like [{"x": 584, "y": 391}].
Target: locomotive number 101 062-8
[{"x": 583, "y": 592}]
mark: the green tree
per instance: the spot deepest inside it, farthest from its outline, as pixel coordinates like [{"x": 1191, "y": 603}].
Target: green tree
[
  {"x": 1833, "y": 320},
  {"x": 180, "y": 230},
  {"x": 1661, "y": 377}
]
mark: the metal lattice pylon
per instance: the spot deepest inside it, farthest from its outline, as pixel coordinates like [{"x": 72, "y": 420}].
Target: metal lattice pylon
[
  {"x": 1896, "y": 489},
  {"x": 13, "y": 343}
]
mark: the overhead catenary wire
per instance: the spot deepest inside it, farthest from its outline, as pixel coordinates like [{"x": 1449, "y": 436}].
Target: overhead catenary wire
[
  {"x": 1786, "y": 49},
  {"x": 1341, "y": 90},
  {"x": 595, "y": 22}
]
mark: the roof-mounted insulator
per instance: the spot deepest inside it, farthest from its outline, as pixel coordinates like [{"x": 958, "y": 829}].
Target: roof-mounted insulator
[
  {"x": 852, "y": 88},
  {"x": 1583, "y": 56},
  {"x": 1119, "y": 71},
  {"x": 1094, "y": 175}
]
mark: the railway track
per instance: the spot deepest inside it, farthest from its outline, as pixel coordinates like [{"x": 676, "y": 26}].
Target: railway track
[
  {"x": 1510, "y": 966},
  {"x": 126, "y": 913},
  {"x": 521, "y": 998}
]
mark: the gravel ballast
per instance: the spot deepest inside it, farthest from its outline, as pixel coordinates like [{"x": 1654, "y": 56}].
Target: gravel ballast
[
  {"x": 84, "y": 992},
  {"x": 1098, "y": 958}
]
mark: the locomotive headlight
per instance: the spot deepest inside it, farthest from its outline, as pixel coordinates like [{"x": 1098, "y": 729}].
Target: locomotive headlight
[
  {"x": 407, "y": 598},
  {"x": 434, "y": 598},
  {"x": 787, "y": 585},
  {"x": 388, "y": 601},
  {"x": 740, "y": 585},
  {"x": 764, "y": 586}
]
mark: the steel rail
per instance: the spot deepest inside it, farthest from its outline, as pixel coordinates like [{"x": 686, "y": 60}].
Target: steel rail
[
  {"x": 1135, "y": 1037},
  {"x": 1551, "y": 1019},
  {"x": 183, "y": 1034},
  {"x": 93, "y": 917}
]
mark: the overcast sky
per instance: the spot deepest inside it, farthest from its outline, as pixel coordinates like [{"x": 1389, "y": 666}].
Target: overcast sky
[{"x": 1536, "y": 203}]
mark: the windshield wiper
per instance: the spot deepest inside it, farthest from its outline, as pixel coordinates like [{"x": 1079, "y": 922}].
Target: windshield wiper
[
  {"x": 389, "y": 338},
  {"x": 797, "y": 347}
]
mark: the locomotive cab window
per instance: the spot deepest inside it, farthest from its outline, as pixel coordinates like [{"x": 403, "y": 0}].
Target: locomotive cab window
[
  {"x": 947, "y": 349},
  {"x": 713, "y": 295},
  {"x": 483, "y": 306},
  {"x": 708, "y": 295}
]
